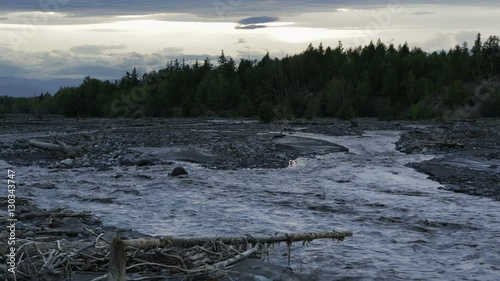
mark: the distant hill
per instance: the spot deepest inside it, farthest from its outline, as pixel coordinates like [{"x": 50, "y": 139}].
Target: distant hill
[{"x": 22, "y": 87}]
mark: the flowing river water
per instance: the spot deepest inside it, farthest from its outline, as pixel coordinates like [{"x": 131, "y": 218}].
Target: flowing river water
[{"x": 404, "y": 226}]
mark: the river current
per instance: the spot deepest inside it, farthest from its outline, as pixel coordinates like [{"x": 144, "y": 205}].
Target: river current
[{"x": 404, "y": 227}]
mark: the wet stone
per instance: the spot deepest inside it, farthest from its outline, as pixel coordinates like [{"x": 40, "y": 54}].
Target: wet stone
[
  {"x": 20, "y": 225},
  {"x": 178, "y": 171},
  {"x": 67, "y": 162}
]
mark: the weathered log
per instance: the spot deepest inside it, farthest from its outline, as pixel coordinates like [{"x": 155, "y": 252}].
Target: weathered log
[
  {"x": 45, "y": 145},
  {"x": 117, "y": 261},
  {"x": 150, "y": 243},
  {"x": 59, "y": 146},
  {"x": 64, "y": 148},
  {"x": 166, "y": 241},
  {"x": 235, "y": 259}
]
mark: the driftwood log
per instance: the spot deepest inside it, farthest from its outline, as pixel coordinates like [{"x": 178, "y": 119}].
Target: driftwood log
[
  {"x": 59, "y": 146},
  {"x": 265, "y": 239},
  {"x": 180, "y": 242}
]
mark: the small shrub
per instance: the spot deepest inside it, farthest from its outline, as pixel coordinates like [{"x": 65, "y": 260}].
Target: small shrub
[
  {"x": 491, "y": 107},
  {"x": 311, "y": 110},
  {"x": 265, "y": 112},
  {"x": 419, "y": 111},
  {"x": 346, "y": 111}
]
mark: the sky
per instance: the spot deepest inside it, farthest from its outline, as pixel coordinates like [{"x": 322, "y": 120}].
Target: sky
[{"x": 71, "y": 39}]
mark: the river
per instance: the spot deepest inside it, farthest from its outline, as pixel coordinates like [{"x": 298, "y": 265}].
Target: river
[{"x": 405, "y": 228}]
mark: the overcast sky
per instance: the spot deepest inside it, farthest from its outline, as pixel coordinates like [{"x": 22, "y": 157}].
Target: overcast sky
[{"x": 51, "y": 39}]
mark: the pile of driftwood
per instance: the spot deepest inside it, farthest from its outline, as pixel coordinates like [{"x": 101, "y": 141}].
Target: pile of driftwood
[{"x": 166, "y": 256}]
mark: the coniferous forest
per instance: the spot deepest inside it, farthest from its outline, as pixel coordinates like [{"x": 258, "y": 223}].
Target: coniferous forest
[{"x": 377, "y": 80}]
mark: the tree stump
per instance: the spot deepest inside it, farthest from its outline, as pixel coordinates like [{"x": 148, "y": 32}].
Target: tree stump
[{"x": 117, "y": 261}]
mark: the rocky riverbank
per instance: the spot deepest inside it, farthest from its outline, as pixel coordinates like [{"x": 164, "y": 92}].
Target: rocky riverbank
[
  {"x": 467, "y": 155},
  {"x": 217, "y": 144}
]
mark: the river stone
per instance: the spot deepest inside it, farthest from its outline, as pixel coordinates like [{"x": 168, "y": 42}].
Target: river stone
[
  {"x": 413, "y": 148},
  {"x": 127, "y": 161},
  {"x": 178, "y": 171},
  {"x": 20, "y": 225},
  {"x": 67, "y": 162},
  {"x": 145, "y": 162}
]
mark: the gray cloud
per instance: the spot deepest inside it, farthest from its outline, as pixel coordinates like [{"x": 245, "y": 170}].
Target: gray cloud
[
  {"x": 256, "y": 55},
  {"x": 8, "y": 68},
  {"x": 210, "y": 9},
  {"x": 204, "y": 8},
  {"x": 88, "y": 61},
  {"x": 4, "y": 18},
  {"x": 422, "y": 13},
  {"x": 257, "y": 20},
  {"x": 449, "y": 40},
  {"x": 92, "y": 70},
  {"x": 95, "y": 49},
  {"x": 250, "y": 26}
]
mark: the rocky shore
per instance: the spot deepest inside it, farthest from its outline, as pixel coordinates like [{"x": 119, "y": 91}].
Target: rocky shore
[
  {"x": 216, "y": 144},
  {"x": 467, "y": 155}
]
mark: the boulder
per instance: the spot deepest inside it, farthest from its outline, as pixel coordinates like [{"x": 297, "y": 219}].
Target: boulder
[
  {"x": 127, "y": 161},
  {"x": 415, "y": 148},
  {"x": 67, "y": 162},
  {"x": 178, "y": 171},
  {"x": 145, "y": 162}
]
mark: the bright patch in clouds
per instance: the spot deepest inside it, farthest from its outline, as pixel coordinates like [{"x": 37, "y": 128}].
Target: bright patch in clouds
[{"x": 306, "y": 34}]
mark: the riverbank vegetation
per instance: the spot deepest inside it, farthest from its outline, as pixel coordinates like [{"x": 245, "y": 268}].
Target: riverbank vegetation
[{"x": 377, "y": 80}]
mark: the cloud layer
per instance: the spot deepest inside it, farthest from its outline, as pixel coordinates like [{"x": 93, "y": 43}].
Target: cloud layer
[{"x": 207, "y": 9}]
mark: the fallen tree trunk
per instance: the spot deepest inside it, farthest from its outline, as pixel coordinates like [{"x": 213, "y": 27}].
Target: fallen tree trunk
[
  {"x": 266, "y": 239},
  {"x": 60, "y": 146},
  {"x": 45, "y": 145}
]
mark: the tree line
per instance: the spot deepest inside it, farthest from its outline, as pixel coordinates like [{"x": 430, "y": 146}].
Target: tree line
[{"x": 376, "y": 80}]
